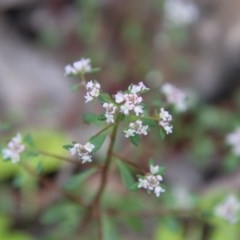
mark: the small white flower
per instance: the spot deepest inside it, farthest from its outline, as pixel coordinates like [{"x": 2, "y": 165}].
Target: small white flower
[
  {"x": 154, "y": 169},
  {"x": 136, "y": 128},
  {"x": 137, "y": 88},
  {"x": 93, "y": 90},
  {"x": 129, "y": 133},
  {"x": 131, "y": 102},
  {"x": 179, "y": 12},
  {"x": 82, "y": 151},
  {"x": 151, "y": 181},
  {"x": 89, "y": 147},
  {"x": 110, "y": 111},
  {"x": 158, "y": 190},
  {"x": 175, "y": 96},
  {"x": 119, "y": 97},
  {"x": 70, "y": 70},
  {"x": 14, "y": 149},
  {"x": 164, "y": 120},
  {"x": 229, "y": 209},
  {"x": 233, "y": 139},
  {"x": 81, "y": 66}
]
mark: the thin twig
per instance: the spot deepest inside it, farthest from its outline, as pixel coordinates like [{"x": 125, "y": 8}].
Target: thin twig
[{"x": 96, "y": 200}]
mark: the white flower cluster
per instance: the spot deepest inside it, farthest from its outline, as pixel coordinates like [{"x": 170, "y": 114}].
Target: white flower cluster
[
  {"x": 14, "y": 149},
  {"x": 93, "y": 90},
  {"x": 81, "y": 66},
  {"x": 175, "y": 96},
  {"x": 164, "y": 120},
  {"x": 136, "y": 128},
  {"x": 126, "y": 102},
  {"x": 179, "y": 12},
  {"x": 82, "y": 151},
  {"x": 229, "y": 209},
  {"x": 151, "y": 181},
  {"x": 130, "y": 100},
  {"x": 233, "y": 139},
  {"x": 110, "y": 112}
]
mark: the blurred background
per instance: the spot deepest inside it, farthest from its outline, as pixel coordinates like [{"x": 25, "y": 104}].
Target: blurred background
[{"x": 192, "y": 44}]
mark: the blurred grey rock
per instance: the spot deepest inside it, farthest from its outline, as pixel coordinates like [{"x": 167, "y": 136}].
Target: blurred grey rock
[
  {"x": 6, "y": 4},
  {"x": 32, "y": 82}
]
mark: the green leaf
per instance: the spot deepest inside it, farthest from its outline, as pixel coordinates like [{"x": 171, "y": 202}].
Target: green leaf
[
  {"x": 109, "y": 229},
  {"x": 162, "y": 134},
  {"x": 135, "y": 140},
  {"x": 102, "y": 117},
  {"x": 29, "y": 140},
  {"x": 149, "y": 122},
  {"x": 90, "y": 118},
  {"x": 105, "y": 97},
  {"x": 134, "y": 187},
  {"x": 98, "y": 140},
  {"x": 126, "y": 175},
  {"x": 151, "y": 162},
  {"x": 75, "y": 181},
  {"x": 67, "y": 146},
  {"x": 39, "y": 168}
]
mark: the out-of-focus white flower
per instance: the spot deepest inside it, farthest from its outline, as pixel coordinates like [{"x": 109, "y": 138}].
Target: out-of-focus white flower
[
  {"x": 182, "y": 198},
  {"x": 164, "y": 120},
  {"x": 175, "y": 96},
  {"x": 14, "y": 149},
  {"x": 70, "y": 70},
  {"x": 228, "y": 209},
  {"x": 82, "y": 151},
  {"x": 233, "y": 139},
  {"x": 93, "y": 90},
  {"x": 110, "y": 111},
  {"x": 138, "y": 88},
  {"x": 136, "y": 128},
  {"x": 81, "y": 66},
  {"x": 180, "y": 12},
  {"x": 151, "y": 181}
]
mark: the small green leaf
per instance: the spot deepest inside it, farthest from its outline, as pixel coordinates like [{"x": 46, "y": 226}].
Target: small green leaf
[
  {"x": 162, "y": 170},
  {"x": 102, "y": 117},
  {"x": 109, "y": 229},
  {"x": 39, "y": 167},
  {"x": 134, "y": 187},
  {"x": 126, "y": 175},
  {"x": 105, "y": 97},
  {"x": 162, "y": 134},
  {"x": 90, "y": 118},
  {"x": 150, "y": 122},
  {"x": 75, "y": 181},
  {"x": 67, "y": 146},
  {"x": 98, "y": 140},
  {"x": 135, "y": 140},
  {"x": 150, "y": 162},
  {"x": 29, "y": 140}
]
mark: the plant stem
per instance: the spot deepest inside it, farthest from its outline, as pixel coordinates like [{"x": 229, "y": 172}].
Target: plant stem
[{"x": 96, "y": 200}]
